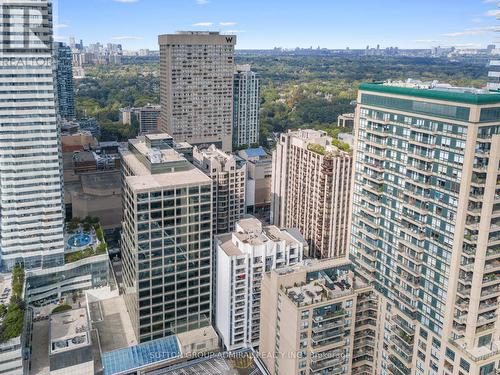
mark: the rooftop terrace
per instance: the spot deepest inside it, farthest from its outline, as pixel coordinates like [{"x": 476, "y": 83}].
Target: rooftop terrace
[{"x": 323, "y": 281}]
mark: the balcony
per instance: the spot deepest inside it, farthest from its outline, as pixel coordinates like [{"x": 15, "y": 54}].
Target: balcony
[
  {"x": 490, "y": 291},
  {"x": 328, "y": 339},
  {"x": 320, "y": 327}
]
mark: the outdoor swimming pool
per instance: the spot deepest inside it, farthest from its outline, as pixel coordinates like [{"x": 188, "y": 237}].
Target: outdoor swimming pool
[{"x": 80, "y": 240}]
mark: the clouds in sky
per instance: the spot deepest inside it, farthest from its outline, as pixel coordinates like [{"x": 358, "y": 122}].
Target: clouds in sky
[
  {"x": 471, "y": 32},
  {"x": 203, "y": 24}
]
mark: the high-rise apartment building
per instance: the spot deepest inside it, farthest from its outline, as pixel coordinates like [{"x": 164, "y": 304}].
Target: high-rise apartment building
[
  {"x": 65, "y": 91},
  {"x": 166, "y": 239},
  {"x": 243, "y": 256},
  {"x": 319, "y": 318},
  {"x": 425, "y": 223},
  {"x": 196, "y": 87},
  {"x": 228, "y": 173},
  {"x": 494, "y": 73},
  {"x": 31, "y": 216},
  {"x": 310, "y": 190},
  {"x": 246, "y": 107},
  {"x": 149, "y": 118}
]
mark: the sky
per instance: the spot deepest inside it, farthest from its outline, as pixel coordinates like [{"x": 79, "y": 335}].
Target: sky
[{"x": 264, "y": 24}]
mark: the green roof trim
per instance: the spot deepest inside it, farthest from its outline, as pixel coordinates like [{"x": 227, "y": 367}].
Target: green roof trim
[{"x": 455, "y": 97}]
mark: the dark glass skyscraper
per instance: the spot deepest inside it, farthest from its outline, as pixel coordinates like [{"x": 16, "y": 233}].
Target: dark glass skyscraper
[{"x": 65, "y": 91}]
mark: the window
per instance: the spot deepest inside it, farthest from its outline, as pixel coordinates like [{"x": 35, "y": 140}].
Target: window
[
  {"x": 488, "y": 369},
  {"x": 484, "y": 340},
  {"x": 464, "y": 364}
]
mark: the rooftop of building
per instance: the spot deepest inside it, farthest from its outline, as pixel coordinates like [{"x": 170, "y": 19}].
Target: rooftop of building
[
  {"x": 251, "y": 231},
  {"x": 319, "y": 141},
  {"x": 159, "y": 166},
  {"x": 69, "y": 330},
  {"x": 112, "y": 321},
  {"x": 5, "y": 288},
  {"x": 197, "y": 38},
  {"x": 161, "y": 352},
  {"x": 242, "y": 362},
  {"x": 196, "y": 336},
  {"x": 125, "y": 360},
  {"x": 257, "y": 152},
  {"x": 103, "y": 183},
  {"x": 214, "y": 153},
  {"x": 197, "y": 33},
  {"x": 435, "y": 91},
  {"x": 324, "y": 280},
  {"x": 167, "y": 180},
  {"x": 84, "y": 157}
]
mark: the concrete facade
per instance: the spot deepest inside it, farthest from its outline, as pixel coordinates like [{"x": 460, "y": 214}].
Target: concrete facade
[
  {"x": 228, "y": 173},
  {"x": 243, "y": 256},
  {"x": 318, "y": 318},
  {"x": 258, "y": 190},
  {"x": 425, "y": 226},
  {"x": 311, "y": 190},
  {"x": 196, "y": 76}
]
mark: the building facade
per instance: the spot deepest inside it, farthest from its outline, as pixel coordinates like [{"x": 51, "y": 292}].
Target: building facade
[
  {"x": 243, "y": 256},
  {"x": 494, "y": 73},
  {"x": 318, "y": 318},
  {"x": 196, "y": 87},
  {"x": 311, "y": 190},
  {"x": 228, "y": 173},
  {"x": 31, "y": 216},
  {"x": 258, "y": 190},
  {"x": 65, "y": 90},
  {"x": 149, "y": 118},
  {"x": 47, "y": 286},
  {"x": 425, "y": 223},
  {"x": 346, "y": 120},
  {"x": 166, "y": 239},
  {"x": 246, "y": 107}
]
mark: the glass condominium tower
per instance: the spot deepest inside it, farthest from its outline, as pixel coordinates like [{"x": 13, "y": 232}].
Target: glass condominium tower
[
  {"x": 31, "y": 217},
  {"x": 425, "y": 223}
]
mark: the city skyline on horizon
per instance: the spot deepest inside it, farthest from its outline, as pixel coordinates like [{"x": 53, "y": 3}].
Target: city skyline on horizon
[{"x": 136, "y": 24}]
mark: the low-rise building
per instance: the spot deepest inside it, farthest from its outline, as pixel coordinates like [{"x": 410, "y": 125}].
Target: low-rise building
[
  {"x": 228, "y": 173},
  {"x": 242, "y": 258},
  {"x": 160, "y": 354},
  {"x": 50, "y": 284},
  {"x": 318, "y": 318},
  {"x": 92, "y": 180},
  {"x": 13, "y": 347},
  {"x": 241, "y": 362},
  {"x": 346, "y": 120},
  {"x": 70, "y": 343}
]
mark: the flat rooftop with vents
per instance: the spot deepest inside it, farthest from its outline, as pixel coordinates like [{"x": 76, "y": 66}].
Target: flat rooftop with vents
[{"x": 70, "y": 344}]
